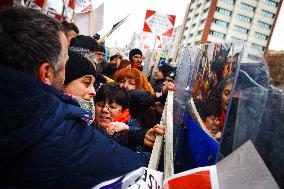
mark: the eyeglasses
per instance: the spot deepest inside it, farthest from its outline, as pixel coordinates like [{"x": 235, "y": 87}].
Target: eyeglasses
[{"x": 110, "y": 107}]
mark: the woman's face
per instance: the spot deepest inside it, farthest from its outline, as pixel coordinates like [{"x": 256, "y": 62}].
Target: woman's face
[
  {"x": 213, "y": 124},
  {"x": 106, "y": 112},
  {"x": 127, "y": 84},
  {"x": 226, "y": 95},
  {"x": 82, "y": 87}
]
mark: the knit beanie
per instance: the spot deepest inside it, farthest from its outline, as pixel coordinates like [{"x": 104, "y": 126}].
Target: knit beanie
[
  {"x": 134, "y": 52},
  {"x": 77, "y": 66},
  {"x": 166, "y": 69}
]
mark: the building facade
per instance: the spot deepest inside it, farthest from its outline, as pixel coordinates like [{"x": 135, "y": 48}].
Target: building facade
[{"x": 250, "y": 21}]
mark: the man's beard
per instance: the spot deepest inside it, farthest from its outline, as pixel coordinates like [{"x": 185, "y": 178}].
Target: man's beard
[{"x": 57, "y": 82}]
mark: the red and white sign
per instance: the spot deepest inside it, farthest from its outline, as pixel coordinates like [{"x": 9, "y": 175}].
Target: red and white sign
[
  {"x": 159, "y": 23},
  {"x": 198, "y": 178}
]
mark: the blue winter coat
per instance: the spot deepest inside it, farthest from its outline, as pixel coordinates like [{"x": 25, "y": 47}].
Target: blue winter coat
[{"x": 44, "y": 142}]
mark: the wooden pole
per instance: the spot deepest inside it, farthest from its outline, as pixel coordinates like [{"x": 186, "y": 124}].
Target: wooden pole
[
  {"x": 63, "y": 10},
  {"x": 43, "y": 7},
  {"x": 152, "y": 61},
  {"x": 91, "y": 23}
]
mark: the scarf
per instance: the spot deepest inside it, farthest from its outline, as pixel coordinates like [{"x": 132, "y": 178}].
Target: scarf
[{"x": 124, "y": 116}]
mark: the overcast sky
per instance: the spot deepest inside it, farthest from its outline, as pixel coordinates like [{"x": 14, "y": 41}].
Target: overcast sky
[{"x": 115, "y": 10}]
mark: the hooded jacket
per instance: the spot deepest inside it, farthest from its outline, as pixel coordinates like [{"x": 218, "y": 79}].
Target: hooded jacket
[{"x": 46, "y": 143}]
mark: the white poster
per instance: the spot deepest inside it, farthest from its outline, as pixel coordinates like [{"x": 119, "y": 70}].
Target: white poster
[{"x": 91, "y": 22}]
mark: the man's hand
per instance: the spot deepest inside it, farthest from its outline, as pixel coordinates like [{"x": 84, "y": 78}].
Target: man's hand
[
  {"x": 150, "y": 136},
  {"x": 116, "y": 62}
]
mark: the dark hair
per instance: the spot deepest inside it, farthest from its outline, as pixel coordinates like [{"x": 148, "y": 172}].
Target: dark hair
[
  {"x": 85, "y": 42},
  {"x": 224, "y": 82},
  {"x": 134, "y": 52},
  {"x": 28, "y": 38},
  {"x": 113, "y": 93},
  {"x": 99, "y": 48},
  {"x": 69, "y": 27}
]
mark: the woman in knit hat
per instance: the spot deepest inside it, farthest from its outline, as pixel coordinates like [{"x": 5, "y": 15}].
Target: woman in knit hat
[
  {"x": 79, "y": 77},
  {"x": 79, "y": 83}
]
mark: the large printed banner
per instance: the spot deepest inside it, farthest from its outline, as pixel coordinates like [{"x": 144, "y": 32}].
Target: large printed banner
[
  {"x": 243, "y": 168},
  {"x": 159, "y": 23}
]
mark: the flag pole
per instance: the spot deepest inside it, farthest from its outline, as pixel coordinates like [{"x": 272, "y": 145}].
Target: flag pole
[
  {"x": 91, "y": 23},
  {"x": 63, "y": 10},
  {"x": 43, "y": 6},
  {"x": 149, "y": 75}
]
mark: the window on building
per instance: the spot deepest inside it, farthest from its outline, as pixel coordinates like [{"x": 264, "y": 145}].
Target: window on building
[
  {"x": 244, "y": 18},
  {"x": 247, "y": 7},
  {"x": 186, "y": 28},
  {"x": 259, "y": 47},
  {"x": 217, "y": 34},
  {"x": 198, "y": 5},
  {"x": 205, "y": 10},
  {"x": 221, "y": 23},
  {"x": 264, "y": 25},
  {"x": 191, "y": 35},
  {"x": 240, "y": 29},
  {"x": 200, "y": 32},
  {"x": 271, "y": 3},
  {"x": 261, "y": 36},
  {"x": 267, "y": 14},
  {"x": 229, "y": 1},
  {"x": 236, "y": 39},
  {"x": 202, "y": 21},
  {"x": 197, "y": 43},
  {"x": 196, "y": 15},
  {"x": 223, "y": 11},
  {"x": 193, "y": 25}
]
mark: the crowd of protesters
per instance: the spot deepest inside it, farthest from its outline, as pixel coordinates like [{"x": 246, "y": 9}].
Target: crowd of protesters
[{"x": 70, "y": 119}]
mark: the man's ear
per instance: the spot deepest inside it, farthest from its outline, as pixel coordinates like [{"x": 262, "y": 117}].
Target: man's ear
[{"x": 46, "y": 73}]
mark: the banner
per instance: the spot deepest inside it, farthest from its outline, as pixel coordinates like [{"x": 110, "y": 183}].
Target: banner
[
  {"x": 159, "y": 23},
  {"x": 140, "y": 178},
  {"x": 199, "y": 178}
]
